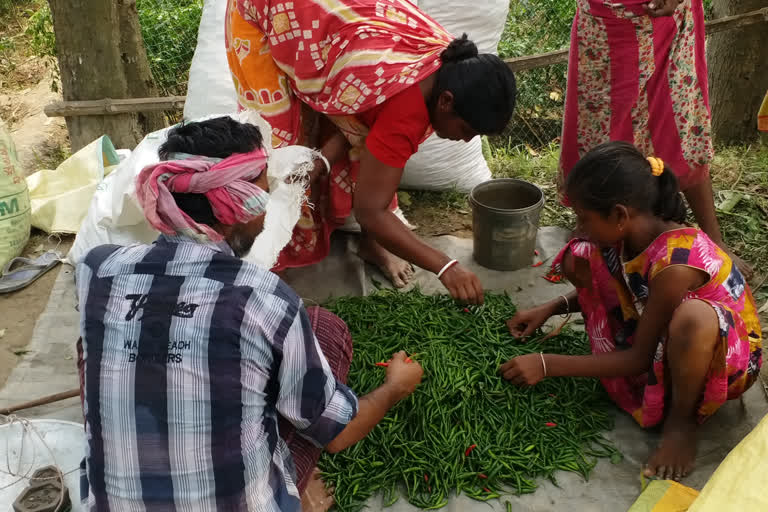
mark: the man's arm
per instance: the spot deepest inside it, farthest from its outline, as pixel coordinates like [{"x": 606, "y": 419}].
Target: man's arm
[
  {"x": 324, "y": 410},
  {"x": 402, "y": 380}
]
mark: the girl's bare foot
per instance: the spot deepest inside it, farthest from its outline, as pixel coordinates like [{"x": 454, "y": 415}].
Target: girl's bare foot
[
  {"x": 675, "y": 456},
  {"x": 397, "y": 270},
  {"x": 316, "y": 497}
]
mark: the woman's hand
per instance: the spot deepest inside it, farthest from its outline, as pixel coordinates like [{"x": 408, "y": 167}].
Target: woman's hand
[
  {"x": 524, "y": 323},
  {"x": 527, "y": 370},
  {"x": 463, "y": 285},
  {"x": 658, "y": 8}
]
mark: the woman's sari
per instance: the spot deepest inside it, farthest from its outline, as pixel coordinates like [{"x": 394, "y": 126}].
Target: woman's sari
[
  {"x": 642, "y": 80},
  {"x": 336, "y": 57}
]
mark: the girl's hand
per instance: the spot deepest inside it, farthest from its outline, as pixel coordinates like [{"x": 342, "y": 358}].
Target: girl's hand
[
  {"x": 525, "y": 370},
  {"x": 658, "y": 8},
  {"x": 525, "y": 323},
  {"x": 463, "y": 285}
]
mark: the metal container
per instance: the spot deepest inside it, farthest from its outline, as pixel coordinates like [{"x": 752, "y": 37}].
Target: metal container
[{"x": 505, "y": 220}]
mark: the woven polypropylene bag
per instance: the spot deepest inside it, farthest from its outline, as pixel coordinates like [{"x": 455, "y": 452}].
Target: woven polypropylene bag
[{"x": 14, "y": 201}]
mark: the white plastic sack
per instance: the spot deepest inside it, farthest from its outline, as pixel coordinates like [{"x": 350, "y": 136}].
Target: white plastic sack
[
  {"x": 210, "y": 88},
  {"x": 483, "y": 22},
  {"x": 442, "y": 164}
]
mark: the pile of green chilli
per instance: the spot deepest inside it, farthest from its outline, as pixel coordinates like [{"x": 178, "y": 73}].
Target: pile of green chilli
[{"x": 465, "y": 429}]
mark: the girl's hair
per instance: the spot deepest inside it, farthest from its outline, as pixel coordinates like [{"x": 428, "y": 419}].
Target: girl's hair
[
  {"x": 216, "y": 138},
  {"x": 483, "y": 86},
  {"x": 617, "y": 173}
]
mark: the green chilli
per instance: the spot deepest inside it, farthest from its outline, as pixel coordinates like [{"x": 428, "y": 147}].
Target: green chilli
[{"x": 462, "y": 402}]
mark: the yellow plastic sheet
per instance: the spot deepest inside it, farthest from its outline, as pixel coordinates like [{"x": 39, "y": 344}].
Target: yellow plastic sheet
[
  {"x": 665, "y": 496},
  {"x": 739, "y": 482},
  {"x": 60, "y": 198}
]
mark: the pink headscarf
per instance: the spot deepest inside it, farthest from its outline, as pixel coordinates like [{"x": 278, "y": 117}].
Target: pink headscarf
[{"x": 226, "y": 183}]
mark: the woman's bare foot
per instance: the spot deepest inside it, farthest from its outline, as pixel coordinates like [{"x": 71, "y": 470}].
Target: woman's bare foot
[
  {"x": 397, "y": 270},
  {"x": 675, "y": 456},
  {"x": 316, "y": 497}
]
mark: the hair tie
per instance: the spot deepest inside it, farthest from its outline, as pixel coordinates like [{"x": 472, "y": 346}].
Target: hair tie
[{"x": 657, "y": 165}]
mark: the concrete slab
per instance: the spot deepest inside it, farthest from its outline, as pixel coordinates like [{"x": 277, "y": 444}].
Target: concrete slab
[
  {"x": 50, "y": 363},
  {"x": 49, "y": 367}
]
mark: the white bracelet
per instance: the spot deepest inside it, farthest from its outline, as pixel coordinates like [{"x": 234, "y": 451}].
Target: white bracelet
[
  {"x": 446, "y": 267},
  {"x": 567, "y": 304},
  {"x": 325, "y": 161},
  {"x": 543, "y": 363}
]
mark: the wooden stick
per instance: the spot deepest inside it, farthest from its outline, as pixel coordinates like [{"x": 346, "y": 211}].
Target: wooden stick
[
  {"x": 129, "y": 106},
  {"x": 739, "y": 20},
  {"x": 111, "y": 106},
  {"x": 541, "y": 60},
  {"x": 560, "y": 56},
  {"x": 58, "y": 397}
]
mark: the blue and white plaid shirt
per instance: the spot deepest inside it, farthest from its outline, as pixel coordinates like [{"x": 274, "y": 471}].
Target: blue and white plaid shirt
[{"x": 190, "y": 355}]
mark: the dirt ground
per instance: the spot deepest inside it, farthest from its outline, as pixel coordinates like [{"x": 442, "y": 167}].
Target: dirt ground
[
  {"x": 19, "y": 310},
  {"x": 41, "y": 143}
]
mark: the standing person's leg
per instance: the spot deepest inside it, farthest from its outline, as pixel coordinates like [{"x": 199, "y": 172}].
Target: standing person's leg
[
  {"x": 336, "y": 343},
  {"x": 701, "y": 199},
  {"x": 691, "y": 344}
]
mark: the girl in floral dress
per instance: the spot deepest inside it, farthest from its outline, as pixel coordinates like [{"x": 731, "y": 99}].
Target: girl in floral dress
[{"x": 671, "y": 321}]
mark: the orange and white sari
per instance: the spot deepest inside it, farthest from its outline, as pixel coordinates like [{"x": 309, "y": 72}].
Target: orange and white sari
[{"x": 336, "y": 57}]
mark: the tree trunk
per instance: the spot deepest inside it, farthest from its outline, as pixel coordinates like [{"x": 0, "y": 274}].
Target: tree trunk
[
  {"x": 738, "y": 74},
  {"x": 101, "y": 55}
]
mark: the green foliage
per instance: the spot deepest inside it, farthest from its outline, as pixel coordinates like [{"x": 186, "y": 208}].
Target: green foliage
[
  {"x": 40, "y": 31},
  {"x": 532, "y": 28},
  {"x": 170, "y": 29}
]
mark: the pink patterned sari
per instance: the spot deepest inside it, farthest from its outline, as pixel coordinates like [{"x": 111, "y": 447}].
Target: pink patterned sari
[{"x": 642, "y": 80}]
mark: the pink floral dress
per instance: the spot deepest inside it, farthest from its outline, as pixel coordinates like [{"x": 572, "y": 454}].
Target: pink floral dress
[{"x": 614, "y": 303}]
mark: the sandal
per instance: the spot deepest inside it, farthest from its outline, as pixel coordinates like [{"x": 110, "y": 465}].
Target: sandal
[{"x": 21, "y": 272}]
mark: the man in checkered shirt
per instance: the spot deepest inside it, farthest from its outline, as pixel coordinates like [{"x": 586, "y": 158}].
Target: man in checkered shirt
[{"x": 206, "y": 383}]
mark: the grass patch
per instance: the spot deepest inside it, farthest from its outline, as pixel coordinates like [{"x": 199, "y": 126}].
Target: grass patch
[
  {"x": 742, "y": 173},
  {"x": 539, "y": 167}
]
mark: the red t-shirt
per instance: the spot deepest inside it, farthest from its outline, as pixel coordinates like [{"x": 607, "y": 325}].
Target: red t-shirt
[{"x": 397, "y": 127}]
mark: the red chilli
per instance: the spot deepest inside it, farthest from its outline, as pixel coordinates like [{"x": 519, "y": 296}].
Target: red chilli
[
  {"x": 466, "y": 310},
  {"x": 384, "y": 365},
  {"x": 538, "y": 264},
  {"x": 481, "y": 476},
  {"x": 550, "y": 424},
  {"x": 426, "y": 477},
  {"x": 487, "y": 490},
  {"x": 469, "y": 450}
]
